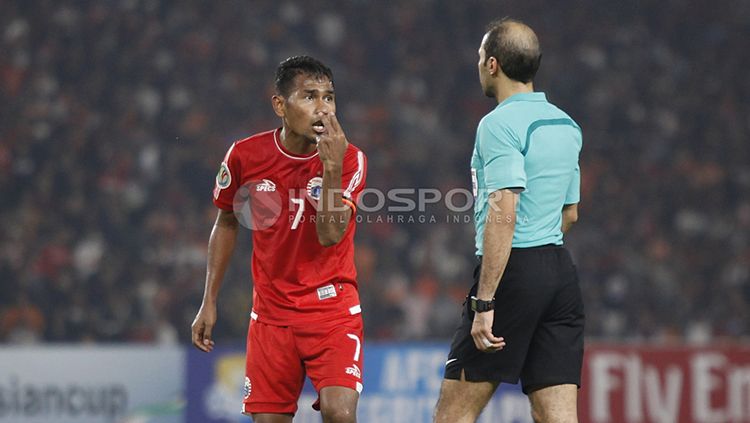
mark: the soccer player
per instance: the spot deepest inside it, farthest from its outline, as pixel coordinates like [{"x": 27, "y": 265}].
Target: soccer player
[
  {"x": 524, "y": 315},
  {"x": 303, "y": 180}
]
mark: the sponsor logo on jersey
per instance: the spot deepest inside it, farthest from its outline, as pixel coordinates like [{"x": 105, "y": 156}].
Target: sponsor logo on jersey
[
  {"x": 354, "y": 371},
  {"x": 315, "y": 187},
  {"x": 224, "y": 177},
  {"x": 248, "y": 387},
  {"x": 266, "y": 186},
  {"x": 325, "y": 292}
]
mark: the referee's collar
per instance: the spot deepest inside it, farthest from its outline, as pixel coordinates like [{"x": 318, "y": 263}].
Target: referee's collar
[{"x": 535, "y": 96}]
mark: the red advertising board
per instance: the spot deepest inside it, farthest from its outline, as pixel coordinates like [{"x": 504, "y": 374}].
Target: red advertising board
[{"x": 639, "y": 384}]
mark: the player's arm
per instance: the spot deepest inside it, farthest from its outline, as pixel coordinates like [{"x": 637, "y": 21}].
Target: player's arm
[
  {"x": 569, "y": 216},
  {"x": 497, "y": 244},
  {"x": 220, "y": 248},
  {"x": 332, "y": 215}
]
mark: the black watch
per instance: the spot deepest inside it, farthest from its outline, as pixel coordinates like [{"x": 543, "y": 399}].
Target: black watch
[{"x": 480, "y": 306}]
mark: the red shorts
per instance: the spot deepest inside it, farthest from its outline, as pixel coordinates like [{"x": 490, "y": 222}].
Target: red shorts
[{"x": 278, "y": 357}]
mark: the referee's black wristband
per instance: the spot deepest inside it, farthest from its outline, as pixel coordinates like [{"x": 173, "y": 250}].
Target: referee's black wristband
[{"x": 480, "y": 306}]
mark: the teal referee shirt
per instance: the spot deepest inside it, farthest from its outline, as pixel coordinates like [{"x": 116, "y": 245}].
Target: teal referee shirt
[{"x": 529, "y": 144}]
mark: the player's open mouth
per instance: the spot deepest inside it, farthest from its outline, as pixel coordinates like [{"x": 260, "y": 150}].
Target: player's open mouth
[{"x": 318, "y": 127}]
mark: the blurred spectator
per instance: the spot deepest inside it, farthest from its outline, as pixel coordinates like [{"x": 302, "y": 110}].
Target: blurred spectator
[
  {"x": 115, "y": 116},
  {"x": 22, "y": 323}
]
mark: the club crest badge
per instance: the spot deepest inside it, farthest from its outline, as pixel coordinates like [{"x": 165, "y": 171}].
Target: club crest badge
[
  {"x": 315, "y": 187},
  {"x": 248, "y": 387}
]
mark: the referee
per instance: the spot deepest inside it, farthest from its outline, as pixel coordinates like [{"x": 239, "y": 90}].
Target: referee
[{"x": 524, "y": 315}]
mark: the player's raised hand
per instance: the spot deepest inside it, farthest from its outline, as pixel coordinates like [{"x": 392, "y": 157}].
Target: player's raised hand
[
  {"x": 333, "y": 143},
  {"x": 481, "y": 331},
  {"x": 202, "y": 326}
]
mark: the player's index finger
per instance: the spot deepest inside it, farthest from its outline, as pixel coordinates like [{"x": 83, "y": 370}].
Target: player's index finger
[
  {"x": 326, "y": 119},
  {"x": 329, "y": 120},
  {"x": 335, "y": 123}
]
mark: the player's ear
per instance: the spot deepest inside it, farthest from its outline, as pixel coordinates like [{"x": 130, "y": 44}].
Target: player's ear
[{"x": 277, "y": 101}]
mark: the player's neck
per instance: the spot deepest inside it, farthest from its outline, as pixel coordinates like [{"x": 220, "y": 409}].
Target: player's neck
[
  {"x": 509, "y": 88},
  {"x": 296, "y": 144}
]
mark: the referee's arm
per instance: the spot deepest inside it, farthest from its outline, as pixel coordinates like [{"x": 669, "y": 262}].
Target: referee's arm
[
  {"x": 569, "y": 216},
  {"x": 498, "y": 241},
  {"x": 572, "y": 197}
]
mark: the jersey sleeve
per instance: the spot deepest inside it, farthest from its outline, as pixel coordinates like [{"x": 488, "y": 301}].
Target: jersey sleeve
[
  {"x": 573, "y": 195},
  {"x": 353, "y": 178},
  {"x": 500, "y": 151},
  {"x": 227, "y": 180}
]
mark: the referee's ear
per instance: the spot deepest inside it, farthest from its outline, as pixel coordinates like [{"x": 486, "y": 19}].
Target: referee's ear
[{"x": 493, "y": 66}]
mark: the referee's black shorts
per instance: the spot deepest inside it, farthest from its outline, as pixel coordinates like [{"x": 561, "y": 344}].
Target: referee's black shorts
[{"x": 539, "y": 312}]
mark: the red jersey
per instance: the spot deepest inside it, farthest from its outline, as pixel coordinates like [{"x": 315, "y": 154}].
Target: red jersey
[{"x": 296, "y": 279}]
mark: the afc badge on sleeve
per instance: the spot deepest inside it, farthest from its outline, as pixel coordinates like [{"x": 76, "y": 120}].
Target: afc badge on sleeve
[{"x": 223, "y": 179}]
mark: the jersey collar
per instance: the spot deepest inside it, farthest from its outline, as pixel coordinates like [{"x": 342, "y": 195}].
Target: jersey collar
[
  {"x": 535, "y": 96},
  {"x": 287, "y": 153}
]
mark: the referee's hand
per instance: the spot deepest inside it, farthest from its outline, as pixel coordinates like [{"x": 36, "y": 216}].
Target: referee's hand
[{"x": 481, "y": 331}]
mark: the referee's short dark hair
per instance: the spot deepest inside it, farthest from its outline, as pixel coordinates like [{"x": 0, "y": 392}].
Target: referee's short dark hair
[
  {"x": 296, "y": 65},
  {"x": 516, "y": 48}
]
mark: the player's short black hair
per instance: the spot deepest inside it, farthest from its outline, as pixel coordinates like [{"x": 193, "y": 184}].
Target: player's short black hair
[
  {"x": 518, "y": 56},
  {"x": 296, "y": 65}
]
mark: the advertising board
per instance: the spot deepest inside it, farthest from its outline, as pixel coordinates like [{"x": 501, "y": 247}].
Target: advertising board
[{"x": 86, "y": 384}]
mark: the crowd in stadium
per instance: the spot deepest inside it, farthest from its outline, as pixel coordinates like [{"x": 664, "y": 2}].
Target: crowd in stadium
[{"x": 116, "y": 115}]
